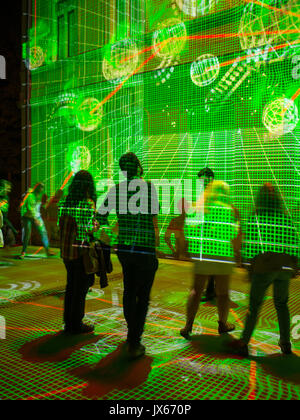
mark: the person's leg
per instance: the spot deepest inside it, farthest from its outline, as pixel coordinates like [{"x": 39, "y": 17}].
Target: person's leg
[
  {"x": 281, "y": 297},
  {"x": 26, "y": 233},
  {"x": 68, "y": 296},
  {"x": 259, "y": 286},
  {"x": 130, "y": 290},
  {"x": 40, "y": 226},
  {"x": 193, "y": 302},
  {"x": 145, "y": 281},
  {"x": 222, "y": 291},
  {"x": 223, "y": 301},
  {"x": 77, "y": 289}
]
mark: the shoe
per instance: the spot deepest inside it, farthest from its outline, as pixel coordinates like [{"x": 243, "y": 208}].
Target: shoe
[
  {"x": 225, "y": 327},
  {"x": 186, "y": 333},
  {"x": 239, "y": 347},
  {"x": 286, "y": 348},
  {"x": 135, "y": 351},
  {"x": 22, "y": 256},
  {"x": 84, "y": 329}
]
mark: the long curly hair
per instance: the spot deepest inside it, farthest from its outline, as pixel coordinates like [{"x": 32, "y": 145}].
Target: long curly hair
[{"x": 81, "y": 188}]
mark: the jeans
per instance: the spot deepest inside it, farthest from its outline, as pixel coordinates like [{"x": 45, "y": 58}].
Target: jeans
[
  {"x": 259, "y": 286},
  {"x": 139, "y": 270},
  {"x": 78, "y": 284},
  {"x": 38, "y": 223}
]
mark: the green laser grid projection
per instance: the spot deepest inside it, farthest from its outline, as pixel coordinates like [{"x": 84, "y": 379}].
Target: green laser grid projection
[{"x": 184, "y": 84}]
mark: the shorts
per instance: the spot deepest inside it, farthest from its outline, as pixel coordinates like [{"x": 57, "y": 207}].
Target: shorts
[{"x": 211, "y": 268}]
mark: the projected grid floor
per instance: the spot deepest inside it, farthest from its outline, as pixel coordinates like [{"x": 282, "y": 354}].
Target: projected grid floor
[{"x": 39, "y": 363}]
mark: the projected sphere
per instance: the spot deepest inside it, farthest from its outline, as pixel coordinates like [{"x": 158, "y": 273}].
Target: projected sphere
[
  {"x": 205, "y": 70},
  {"x": 81, "y": 159},
  {"x": 195, "y": 8},
  {"x": 170, "y": 39},
  {"x": 263, "y": 23},
  {"x": 281, "y": 116},
  {"x": 37, "y": 58},
  {"x": 120, "y": 60},
  {"x": 89, "y": 114}
]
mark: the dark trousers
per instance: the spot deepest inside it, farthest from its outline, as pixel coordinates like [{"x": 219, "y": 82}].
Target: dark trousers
[
  {"x": 259, "y": 286},
  {"x": 78, "y": 284},
  {"x": 139, "y": 270}
]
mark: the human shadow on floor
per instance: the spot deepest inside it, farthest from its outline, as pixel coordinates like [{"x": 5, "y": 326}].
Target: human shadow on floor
[
  {"x": 286, "y": 367},
  {"x": 214, "y": 345},
  {"x": 55, "y": 348},
  {"x": 113, "y": 372}
]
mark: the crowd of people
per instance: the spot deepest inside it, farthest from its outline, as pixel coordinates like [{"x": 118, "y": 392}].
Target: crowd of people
[{"x": 266, "y": 244}]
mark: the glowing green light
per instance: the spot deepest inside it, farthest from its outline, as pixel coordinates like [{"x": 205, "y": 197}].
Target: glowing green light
[
  {"x": 281, "y": 116},
  {"x": 88, "y": 118},
  {"x": 205, "y": 70},
  {"x": 170, "y": 38}
]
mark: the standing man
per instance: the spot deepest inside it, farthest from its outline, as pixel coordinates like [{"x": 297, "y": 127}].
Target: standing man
[{"x": 137, "y": 207}]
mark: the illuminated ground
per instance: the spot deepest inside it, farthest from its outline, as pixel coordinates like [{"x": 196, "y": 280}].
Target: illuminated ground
[{"x": 38, "y": 363}]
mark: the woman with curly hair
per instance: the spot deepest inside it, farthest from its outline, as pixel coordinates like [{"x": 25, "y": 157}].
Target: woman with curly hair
[{"x": 76, "y": 216}]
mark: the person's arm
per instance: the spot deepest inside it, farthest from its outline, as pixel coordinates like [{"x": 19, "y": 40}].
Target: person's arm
[
  {"x": 237, "y": 241},
  {"x": 109, "y": 203},
  {"x": 154, "y": 211}
]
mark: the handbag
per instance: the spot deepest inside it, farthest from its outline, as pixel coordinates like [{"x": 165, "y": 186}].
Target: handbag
[{"x": 90, "y": 259}]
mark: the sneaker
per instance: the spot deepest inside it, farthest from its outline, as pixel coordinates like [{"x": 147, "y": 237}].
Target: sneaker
[
  {"x": 135, "y": 351},
  {"x": 84, "y": 329},
  {"x": 239, "y": 347},
  {"x": 286, "y": 348},
  {"x": 225, "y": 327},
  {"x": 185, "y": 333},
  {"x": 22, "y": 256}
]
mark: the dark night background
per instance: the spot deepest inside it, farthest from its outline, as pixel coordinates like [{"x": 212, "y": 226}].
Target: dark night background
[{"x": 10, "y": 105}]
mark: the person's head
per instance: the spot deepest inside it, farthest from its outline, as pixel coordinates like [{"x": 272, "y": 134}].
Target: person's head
[
  {"x": 217, "y": 193},
  {"x": 82, "y": 187},
  {"x": 130, "y": 164},
  {"x": 207, "y": 175},
  {"x": 268, "y": 199},
  {"x": 39, "y": 189},
  {"x": 5, "y": 187}
]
